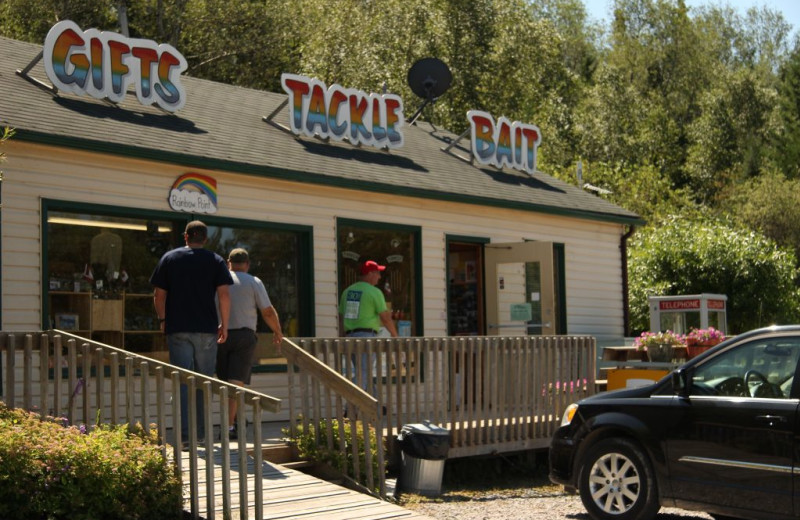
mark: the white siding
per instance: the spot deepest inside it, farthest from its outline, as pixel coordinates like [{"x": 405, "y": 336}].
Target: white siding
[{"x": 33, "y": 172}]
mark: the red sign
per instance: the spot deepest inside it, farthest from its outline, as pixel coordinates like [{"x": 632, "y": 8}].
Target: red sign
[
  {"x": 716, "y": 304},
  {"x": 678, "y": 305}
]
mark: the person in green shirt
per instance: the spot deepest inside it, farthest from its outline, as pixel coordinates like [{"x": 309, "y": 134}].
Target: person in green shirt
[{"x": 363, "y": 310}]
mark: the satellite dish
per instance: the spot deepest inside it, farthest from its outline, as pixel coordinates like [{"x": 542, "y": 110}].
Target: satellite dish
[{"x": 428, "y": 78}]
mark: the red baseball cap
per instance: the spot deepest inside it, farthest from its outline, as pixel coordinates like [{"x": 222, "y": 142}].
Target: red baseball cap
[{"x": 369, "y": 266}]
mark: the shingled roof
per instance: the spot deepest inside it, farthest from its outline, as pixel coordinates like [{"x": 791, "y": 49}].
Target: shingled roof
[{"x": 221, "y": 127}]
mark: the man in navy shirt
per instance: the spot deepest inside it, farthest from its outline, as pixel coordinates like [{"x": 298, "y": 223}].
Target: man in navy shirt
[{"x": 186, "y": 281}]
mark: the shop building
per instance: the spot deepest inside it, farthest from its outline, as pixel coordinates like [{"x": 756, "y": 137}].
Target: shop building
[{"x": 95, "y": 191}]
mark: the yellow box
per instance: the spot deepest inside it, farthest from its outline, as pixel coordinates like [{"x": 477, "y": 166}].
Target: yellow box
[{"x": 631, "y": 377}]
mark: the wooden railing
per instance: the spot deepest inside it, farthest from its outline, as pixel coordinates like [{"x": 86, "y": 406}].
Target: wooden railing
[
  {"x": 60, "y": 374},
  {"x": 494, "y": 394},
  {"x": 320, "y": 398}
]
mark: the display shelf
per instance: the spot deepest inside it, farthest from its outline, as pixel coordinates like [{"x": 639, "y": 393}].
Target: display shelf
[{"x": 127, "y": 319}]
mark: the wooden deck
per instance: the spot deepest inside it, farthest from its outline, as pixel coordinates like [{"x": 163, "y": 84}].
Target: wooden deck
[
  {"x": 494, "y": 394},
  {"x": 289, "y": 494}
]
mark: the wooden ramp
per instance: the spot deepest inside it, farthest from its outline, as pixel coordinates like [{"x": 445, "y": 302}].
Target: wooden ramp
[{"x": 289, "y": 494}]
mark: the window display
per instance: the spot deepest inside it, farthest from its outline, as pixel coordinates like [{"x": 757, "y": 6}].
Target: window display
[
  {"x": 98, "y": 267},
  {"x": 393, "y": 246}
]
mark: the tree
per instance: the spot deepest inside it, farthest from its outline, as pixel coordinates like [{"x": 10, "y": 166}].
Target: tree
[
  {"x": 728, "y": 137},
  {"x": 785, "y": 143},
  {"x": 652, "y": 76},
  {"x": 639, "y": 189},
  {"x": 580, "y": 37},
  {"x": 690, "y": 256},
  {"x": 30, "y": 21},
  {"x": 769, "y": 204}
]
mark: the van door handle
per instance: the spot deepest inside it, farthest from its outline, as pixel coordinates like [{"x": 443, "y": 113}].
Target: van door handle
[{"x": 770, "y": 419}]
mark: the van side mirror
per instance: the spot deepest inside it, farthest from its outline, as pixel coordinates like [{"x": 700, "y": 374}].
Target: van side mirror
[{"x": 681, "y": 382}]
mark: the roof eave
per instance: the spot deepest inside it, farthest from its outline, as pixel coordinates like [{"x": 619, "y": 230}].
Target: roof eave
[{"x": 311, "y": 178}]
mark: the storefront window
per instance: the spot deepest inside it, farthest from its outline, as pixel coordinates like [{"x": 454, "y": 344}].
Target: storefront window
[
  {"x": 397, "y": 248},
  {"x": 98, "y": 267},
  {"x": 275, "y": 259}
]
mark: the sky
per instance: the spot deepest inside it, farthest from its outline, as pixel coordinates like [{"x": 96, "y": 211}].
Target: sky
[{"x": 601, "y": 9}]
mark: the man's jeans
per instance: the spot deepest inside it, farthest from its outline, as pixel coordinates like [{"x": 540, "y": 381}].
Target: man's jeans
[
  {"x": 365, "y": 363},
  {"x": 196, "y": 351}
]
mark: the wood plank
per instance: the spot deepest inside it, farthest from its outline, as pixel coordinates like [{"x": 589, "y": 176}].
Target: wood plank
[{"x": 286, "y": 493}]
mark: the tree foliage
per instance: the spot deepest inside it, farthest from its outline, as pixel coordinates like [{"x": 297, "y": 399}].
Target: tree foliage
[
  {"x": 685, "y": 256},
  {"x": 785, "y": 149},
  {"x": 30, "y": 21},
  {"x": 769, "y": 204}
]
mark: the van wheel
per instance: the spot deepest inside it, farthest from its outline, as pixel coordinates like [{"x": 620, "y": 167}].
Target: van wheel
[{"x": 617, "y": 482}]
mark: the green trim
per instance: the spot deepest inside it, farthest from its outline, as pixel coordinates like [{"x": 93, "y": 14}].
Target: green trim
[
  {"x": 45, "y": 263},
  {"x": 373, "y": 224},
  {"x": 194, "y": 161},
  {"x": 464, "y": 239},
  {"x": 560, "y": 254},
  {"x": 416, "y": 231}
]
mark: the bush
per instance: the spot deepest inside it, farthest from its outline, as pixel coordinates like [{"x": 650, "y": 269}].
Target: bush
[
  {"x": 307, "y": 447},
  {"x": 52, "y": 472},
  {"x": 685, "y": 257}
]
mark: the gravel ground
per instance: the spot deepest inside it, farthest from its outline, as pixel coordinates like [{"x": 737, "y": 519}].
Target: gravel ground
[
  {"x": 531, "y": 504},
  {"x": 502, "y": 489}
]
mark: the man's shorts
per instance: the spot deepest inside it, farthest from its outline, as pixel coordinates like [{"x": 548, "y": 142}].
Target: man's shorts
[{"x": 235, "y": 356}]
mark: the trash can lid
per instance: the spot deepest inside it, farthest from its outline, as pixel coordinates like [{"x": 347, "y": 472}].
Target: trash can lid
[{"x": 425, "y": 427}]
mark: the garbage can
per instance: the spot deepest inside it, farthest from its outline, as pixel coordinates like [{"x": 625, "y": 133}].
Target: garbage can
[{"x": 424, "y": 449}]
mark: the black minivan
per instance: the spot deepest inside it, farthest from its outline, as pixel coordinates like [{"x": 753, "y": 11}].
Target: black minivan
[{"x": 719, "y": 434}]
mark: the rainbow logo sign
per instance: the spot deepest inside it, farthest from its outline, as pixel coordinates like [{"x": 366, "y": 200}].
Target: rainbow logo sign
[{"x": 194, "y": 193}]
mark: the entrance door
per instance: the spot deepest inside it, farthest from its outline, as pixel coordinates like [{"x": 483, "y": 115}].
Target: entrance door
[
  {"x": 465, "y": 315},
  {"x": 517, "y": 275}
]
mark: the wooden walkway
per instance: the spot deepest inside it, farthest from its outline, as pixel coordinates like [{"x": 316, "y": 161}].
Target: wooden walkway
[{"x": 290, "y": 494}]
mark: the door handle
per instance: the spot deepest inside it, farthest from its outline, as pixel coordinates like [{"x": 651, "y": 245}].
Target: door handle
[{"x": 770, "y": 419}]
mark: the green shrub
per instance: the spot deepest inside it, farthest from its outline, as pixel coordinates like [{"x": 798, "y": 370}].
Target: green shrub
[
  {"x": 681, "y": 256},
  {"x": 52, "y": 472},
  {"x": 308, "y": 448}
]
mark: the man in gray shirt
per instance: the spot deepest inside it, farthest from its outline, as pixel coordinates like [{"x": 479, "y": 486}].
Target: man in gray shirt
[{"x": 248, "y": 298}]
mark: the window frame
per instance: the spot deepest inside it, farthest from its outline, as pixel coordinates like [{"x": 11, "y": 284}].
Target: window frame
[
  {"x": 416, "y": 232},
  {"x": 305, "y": 263},
  {"x": 464, "y": 239}
]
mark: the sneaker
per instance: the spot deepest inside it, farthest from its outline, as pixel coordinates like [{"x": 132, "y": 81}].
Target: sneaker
[{"x": 185, "y": 444}]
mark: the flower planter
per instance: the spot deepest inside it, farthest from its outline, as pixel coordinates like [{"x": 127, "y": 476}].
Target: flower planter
[
  {"x": 700, "y": 340},
  {"x": 697, "y": 349},
  {"x": 660, "y": 353}
]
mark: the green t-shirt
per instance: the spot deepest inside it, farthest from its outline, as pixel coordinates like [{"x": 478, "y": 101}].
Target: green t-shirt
[{"x": 360, "y": 305}]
